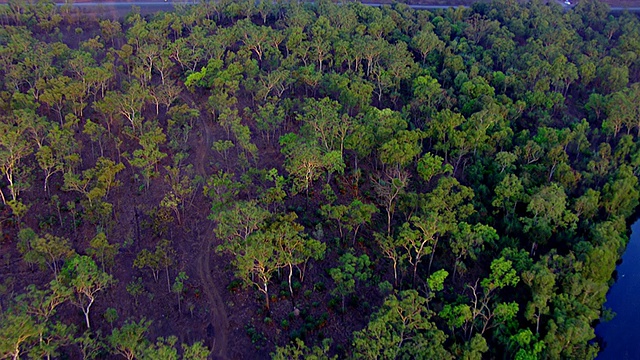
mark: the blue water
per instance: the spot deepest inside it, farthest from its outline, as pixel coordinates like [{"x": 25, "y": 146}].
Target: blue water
[{"x": 621, "y": 335}]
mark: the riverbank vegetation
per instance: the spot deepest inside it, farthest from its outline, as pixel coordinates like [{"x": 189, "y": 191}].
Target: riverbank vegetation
[{"x": 236, "y": 179}]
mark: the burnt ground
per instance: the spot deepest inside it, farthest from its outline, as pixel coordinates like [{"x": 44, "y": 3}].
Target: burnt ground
[
  {"x": 231, "y": 320},
  {"x": 215, "y": 309}
]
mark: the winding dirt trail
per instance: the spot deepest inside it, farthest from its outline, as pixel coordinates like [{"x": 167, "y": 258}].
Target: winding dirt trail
[
  {"x": 204, "y": 235},
  {"x": 219, "y": 319}
]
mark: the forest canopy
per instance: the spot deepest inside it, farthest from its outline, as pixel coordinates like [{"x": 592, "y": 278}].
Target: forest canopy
[{"x": 255, "y": 179}]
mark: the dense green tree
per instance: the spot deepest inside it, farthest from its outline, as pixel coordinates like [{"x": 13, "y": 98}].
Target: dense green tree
[
  {"x": 148, "y": 158},
  {"x": 162, "y": 349},
  {"x": 41, "y": 307},
  {"x": 549, "y": 211},
  {"x": 542, "y": 282},
  {"x": 425, "y": 42},
  {"x": 195, "y": 351},
  {"x": 178, "y": 286},
  {"x": 16, "y": 330},
  {"x": 235, "y": 225},
  {"x": 48, "y": 250},
  {"x": 352, "y": 270},
  {"x": 222, "y": 189},
  {"x": 129, "y": 340},
  {"x": 95, "y": 183},
  {"x": 468, "y": 241},
  {"x": 401, "y": 328},
  {"x": 349, "y": 217},
  {"x": 402, "y": 149},
  {"x": 298, "y": 350},
  {"x": 48, "y": 163},
  {"x": 322, "y": 121},
  {"x": 292, "y": 246},
  {"x": 130, "y": 105},
  {"x": 91, "y": 346},
  {"x": 418, "y": 238},
  {"x": 444, "y": 207},
  {"x": 431, "y": 165},
  {"x": 620, "y": 196},
  {"x": 14, "y": 148},
  {"x": 103, "y": 252},
  {"x": 82, "y": 275},
  {"x": 257, "y": 262},
  {"x": 162, "y": 257},
  {"x": 304, "y": 161}
]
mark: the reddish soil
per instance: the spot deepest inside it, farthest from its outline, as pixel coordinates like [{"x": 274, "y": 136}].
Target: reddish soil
[{"x": 209, "y": 311}]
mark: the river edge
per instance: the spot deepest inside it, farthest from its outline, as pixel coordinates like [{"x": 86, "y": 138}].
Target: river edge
[{"x": 618, "y": 338}]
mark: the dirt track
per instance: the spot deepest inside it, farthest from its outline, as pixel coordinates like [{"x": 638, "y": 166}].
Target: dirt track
[
  {"x": 204, "y": 236},
  {"x": 219, "y": 321}
]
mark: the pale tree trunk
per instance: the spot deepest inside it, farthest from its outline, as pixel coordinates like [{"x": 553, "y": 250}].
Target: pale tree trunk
[
  {"x": 395, "y": 272},
  {"x": 266, "y": 295},
  {"x": 389, "y": 220},
  {"x": 4, "y": 200},
  {"x": 302, "y": 271},
  {"x": 290, "y": 276},
  {"x": 11, "y": 185},
  {"x": 355, "y": 234},
  {"x": 86, "y": 312}
]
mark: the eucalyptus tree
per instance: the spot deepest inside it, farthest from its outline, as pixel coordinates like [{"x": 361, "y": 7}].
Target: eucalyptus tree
[
  {"x": 86, "y": 280},
  {"x": 402, "y": 328},
  {"x": 15, "y": 147}
]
